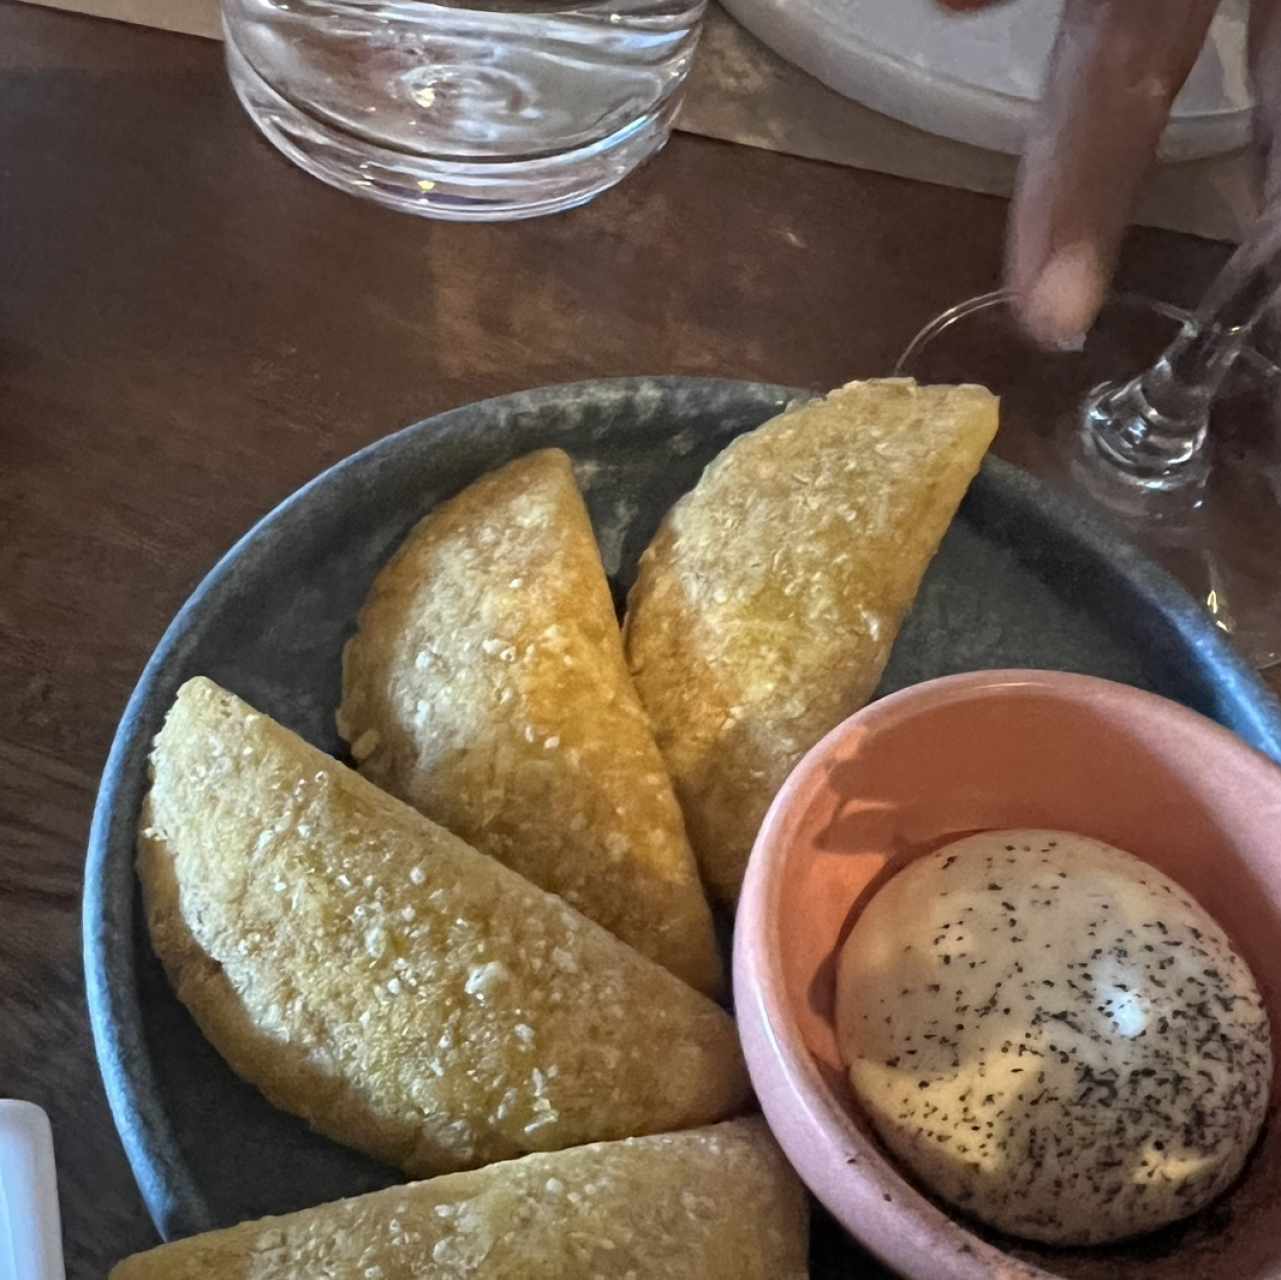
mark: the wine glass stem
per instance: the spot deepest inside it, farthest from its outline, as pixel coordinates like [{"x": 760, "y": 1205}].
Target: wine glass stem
[{"x": 1154, "y": 425}]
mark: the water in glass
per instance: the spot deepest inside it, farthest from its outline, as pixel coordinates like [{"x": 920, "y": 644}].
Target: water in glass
[{"x": 464, "y": 109}]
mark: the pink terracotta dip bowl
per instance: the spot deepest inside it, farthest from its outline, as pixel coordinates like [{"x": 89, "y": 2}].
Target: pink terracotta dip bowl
[{"x": 942, "y": 760}]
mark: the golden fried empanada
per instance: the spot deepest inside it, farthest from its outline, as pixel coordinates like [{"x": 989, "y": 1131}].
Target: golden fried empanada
[
  {"x": 711, "y": 1204},
  {"x": 487, "y": 687},
  {"x": 766, "y": 606},
  {"x": 404, "y": 994}
]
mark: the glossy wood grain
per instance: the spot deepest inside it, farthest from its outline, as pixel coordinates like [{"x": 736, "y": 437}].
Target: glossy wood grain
[{"x": 190, "y": 328}]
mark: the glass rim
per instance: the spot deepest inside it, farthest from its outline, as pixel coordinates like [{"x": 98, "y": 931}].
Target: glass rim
[{"x": 1260, "y": 362}]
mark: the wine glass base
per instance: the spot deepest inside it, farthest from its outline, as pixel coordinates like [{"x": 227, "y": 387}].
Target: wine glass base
[
  {"x": 1107, "y": 415},
  {"x": 1105, "y": 475},
  {"x": 1215, "y": 524}
]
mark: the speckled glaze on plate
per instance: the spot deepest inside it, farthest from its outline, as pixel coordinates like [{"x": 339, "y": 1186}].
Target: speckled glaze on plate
[{"x": 1023, "y": 580}]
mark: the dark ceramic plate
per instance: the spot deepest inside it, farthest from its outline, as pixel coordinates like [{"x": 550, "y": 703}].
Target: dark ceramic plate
[{"x": 1022, "y": 580}]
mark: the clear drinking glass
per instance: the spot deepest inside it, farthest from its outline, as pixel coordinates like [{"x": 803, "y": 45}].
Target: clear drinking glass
[
  {"x": 1198, "y": 487},
  {"x": 464, "y": 109}
]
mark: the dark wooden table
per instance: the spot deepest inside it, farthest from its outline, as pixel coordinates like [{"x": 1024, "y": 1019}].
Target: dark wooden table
[{"x": 190, "y": 328}]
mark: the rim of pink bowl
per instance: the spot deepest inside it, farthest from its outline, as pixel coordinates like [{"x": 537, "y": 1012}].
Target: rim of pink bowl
[{"x": 798, "y": 1105}]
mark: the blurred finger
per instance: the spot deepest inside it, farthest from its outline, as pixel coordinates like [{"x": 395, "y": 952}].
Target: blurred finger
[
  {"x": 1265, "y": 68},
  {"x": 1114, "y": 73}
]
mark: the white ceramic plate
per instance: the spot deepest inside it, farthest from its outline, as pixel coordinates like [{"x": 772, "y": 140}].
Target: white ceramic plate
[{"x": 976, "y": 77}]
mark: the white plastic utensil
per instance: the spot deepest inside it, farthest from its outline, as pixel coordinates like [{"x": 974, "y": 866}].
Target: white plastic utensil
[{"x": 30, "y": 1227}]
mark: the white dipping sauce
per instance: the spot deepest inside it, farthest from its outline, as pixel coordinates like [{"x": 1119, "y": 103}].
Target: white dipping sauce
[{"x": 1053, "y": 1036}]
